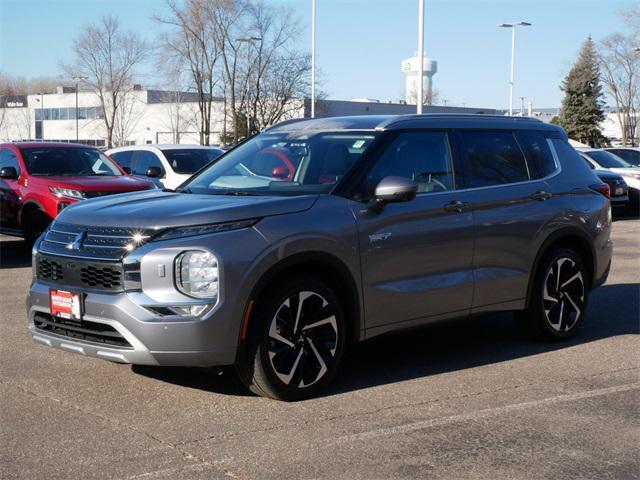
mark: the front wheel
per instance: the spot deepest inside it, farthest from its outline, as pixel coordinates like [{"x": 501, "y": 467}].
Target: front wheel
[
  {"x": 296, "y": 342},
  {"x": 559, "y": 297}
]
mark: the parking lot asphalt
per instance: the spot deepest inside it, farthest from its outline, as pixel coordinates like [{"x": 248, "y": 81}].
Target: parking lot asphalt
[{"x": 468, "y": 399}]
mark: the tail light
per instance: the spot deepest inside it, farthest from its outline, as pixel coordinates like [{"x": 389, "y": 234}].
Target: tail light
[{"x": 602, "y": 188}]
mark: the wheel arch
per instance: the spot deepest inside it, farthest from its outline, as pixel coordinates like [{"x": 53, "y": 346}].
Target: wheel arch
[
  {"x": 28, "y": 207},
  {"x": 327, "y": 268},
  {"x": 569, "y": 237}
]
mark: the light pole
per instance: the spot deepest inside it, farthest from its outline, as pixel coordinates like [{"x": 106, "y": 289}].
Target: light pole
[
  {"x": 313, "y": 58},
  {"x": 41, "y": 114},
  {"x": 420, "y": 56},
  {"x": 512, "y": 26},
  {"x": 248, "y": 41},
  {"x": 77, "y": 79}
]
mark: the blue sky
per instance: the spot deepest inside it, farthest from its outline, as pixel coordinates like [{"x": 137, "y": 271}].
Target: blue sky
[{"x": 360, "y": 43}]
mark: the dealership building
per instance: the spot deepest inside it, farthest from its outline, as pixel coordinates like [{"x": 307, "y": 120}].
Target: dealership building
[{"x": 154, "y": 116}]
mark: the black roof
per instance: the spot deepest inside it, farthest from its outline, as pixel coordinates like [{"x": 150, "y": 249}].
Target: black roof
[{"x": 429, "y": 120}]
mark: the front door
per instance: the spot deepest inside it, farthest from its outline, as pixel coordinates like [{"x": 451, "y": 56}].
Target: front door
[
  {"x": 416, "y": 256},
  {"x": 9, "y": 192}
]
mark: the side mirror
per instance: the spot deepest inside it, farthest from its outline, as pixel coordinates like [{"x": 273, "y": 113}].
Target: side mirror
[
  {"x": 395, "y": 190},
  {"x": 127, "y": 170},
  {"x": 154, "y": 172},
  {"x": 279, "y": 172},
  {"x": 8, "y": 173}
]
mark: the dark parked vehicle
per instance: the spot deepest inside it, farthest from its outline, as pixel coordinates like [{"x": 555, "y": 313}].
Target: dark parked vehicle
[
  {"x": 379, "y": 223},
  {"x": 38, "y": 180},
  {"x": 619, "y": 190}
]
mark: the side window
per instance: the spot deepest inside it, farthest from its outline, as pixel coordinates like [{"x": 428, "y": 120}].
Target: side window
[
  {"x": 123, "y": 158},
  {"x": 143, "y": 160},
  {"x": 566, "y": 153},
  {"x": 539, "y": 156},
  {"x": 424, "y": 157},
  {"x": 492, "y": 158},
  {"x": 9, "y": 159}
]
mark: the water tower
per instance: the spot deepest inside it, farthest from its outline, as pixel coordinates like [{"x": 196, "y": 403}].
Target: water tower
[{"x": 410, "y": 68}]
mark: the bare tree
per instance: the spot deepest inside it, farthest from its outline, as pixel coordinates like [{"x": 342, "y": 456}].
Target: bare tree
[
  {"x": 127, "y": 117},
  {"x": 620, "y": 67},
  {"x": 11, "y": 85},
  {"x": 107, "y": 57},
  {"x": 192, "y": 45}
]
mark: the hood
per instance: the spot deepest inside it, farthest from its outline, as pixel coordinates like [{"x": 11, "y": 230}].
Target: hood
[
  {"x": 120, "y": 183},
  {"x": 158, "y": 209}
]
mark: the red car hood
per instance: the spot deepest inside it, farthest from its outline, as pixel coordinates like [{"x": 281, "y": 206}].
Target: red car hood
[{"x": 122, "y": 183}]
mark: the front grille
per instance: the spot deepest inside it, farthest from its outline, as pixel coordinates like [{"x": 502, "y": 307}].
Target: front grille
[
  {"x": 49, "y": 269},
  {"x": 83, "y": 274},
  {"x": 104, "y": 277},
  {"x": 80, "y": 330},
  {"x": 100, "y": 243}
]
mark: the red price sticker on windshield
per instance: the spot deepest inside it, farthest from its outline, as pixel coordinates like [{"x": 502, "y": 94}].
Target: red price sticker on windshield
[{"x": 65, "y": 304}]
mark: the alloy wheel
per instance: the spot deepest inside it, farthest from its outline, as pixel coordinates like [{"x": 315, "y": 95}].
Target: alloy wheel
[
  {"x": 303, "y": 338},
  {"x": 564, "y": 294}
]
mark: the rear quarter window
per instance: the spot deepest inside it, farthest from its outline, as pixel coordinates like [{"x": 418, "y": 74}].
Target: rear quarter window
[{"x": 539, "y": 157}]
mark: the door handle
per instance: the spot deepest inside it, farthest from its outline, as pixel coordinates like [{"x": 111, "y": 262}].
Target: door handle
[
  {"x": 541, "y": 195},
  {"x": 456, "y": 206}
]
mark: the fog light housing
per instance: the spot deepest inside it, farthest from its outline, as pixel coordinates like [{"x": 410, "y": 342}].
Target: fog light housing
[{"x": 197, "y": 274}]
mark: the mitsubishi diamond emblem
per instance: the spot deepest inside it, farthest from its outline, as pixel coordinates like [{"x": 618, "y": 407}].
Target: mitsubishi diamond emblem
[{"x": 77, "y": 242}]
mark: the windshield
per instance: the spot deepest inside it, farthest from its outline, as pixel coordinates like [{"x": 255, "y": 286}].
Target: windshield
[
  {"x": 607, "y": 160},
  {"x": 68, "y": 161},
  {"x": 293, "y": 163},
  {"x": 190, "y": 160}
]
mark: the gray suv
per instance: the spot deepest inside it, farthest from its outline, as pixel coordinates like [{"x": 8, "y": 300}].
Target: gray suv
[{"x": 317, "y": 234}]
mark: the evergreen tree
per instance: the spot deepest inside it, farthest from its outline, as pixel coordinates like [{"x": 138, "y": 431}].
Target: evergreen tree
[{"x": 581, "y": 112}]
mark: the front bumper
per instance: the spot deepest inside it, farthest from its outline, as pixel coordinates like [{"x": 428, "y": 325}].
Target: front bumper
[{"x": 151, "y": 341}]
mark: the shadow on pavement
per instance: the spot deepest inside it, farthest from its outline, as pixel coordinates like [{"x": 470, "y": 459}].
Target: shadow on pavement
[
  {"x": 14, "y": 253},
  {"x": 441, "y": 348}
]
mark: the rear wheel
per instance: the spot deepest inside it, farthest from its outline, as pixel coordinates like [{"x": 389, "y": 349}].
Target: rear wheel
[
  {"x": 296, "y": 340},
  {"x": 34, "y": 224},
  {"x": 559, "y": 297}
]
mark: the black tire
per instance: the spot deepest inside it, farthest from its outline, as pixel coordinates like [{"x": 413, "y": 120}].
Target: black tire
[
  {"x": 558, "y": 302},
  {"x": 288, "y": 363},
  {"x": 34, "y": 224}
]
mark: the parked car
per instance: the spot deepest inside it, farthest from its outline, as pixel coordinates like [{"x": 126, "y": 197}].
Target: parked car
[
  {"x": 631, "y": 155},
  {"x": 385, "y": 223},
  {"x": 39, "y": 180},
  {"x": 619, "y": 190},
  {"x": 167, "y": 165},
  {"x": 601, "y": 159}
]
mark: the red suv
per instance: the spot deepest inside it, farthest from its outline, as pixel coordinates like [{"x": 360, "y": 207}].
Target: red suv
[{"x": 38, "y": 180}]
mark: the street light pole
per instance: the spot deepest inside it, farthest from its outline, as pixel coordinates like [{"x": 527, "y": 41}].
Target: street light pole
[
  {"x": 512, "y": 26},
  {"x": 420, "y": 56},
  {"x": 248, "y": 41},
  {"x": 313, "y": 58},
  {"x": 77, "y": 79}
]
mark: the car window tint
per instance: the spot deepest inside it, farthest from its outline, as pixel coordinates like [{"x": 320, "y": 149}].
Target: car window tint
[
  {"x": 536, "y": 149},
  {"x": 424, "y": 157},
  {"x": 628, "y": 155},
  {"x": 123, "y": 158},
  {"x": 567, "y": 154},
  {"x": 492, "y": 158},
  {"x": 144, "y": 160},
  {"x": 9, "y": 159}
]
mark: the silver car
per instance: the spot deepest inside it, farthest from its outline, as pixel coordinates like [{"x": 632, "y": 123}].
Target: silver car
[{"x": 317, "y": 234}]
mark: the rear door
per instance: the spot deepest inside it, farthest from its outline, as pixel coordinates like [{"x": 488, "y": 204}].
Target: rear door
[
  {"x": 512, "y": 204},
  {"x": 416, "y": 256}
]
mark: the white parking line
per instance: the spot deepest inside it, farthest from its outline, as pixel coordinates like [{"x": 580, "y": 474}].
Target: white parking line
[{"x": 480, "y": 414}]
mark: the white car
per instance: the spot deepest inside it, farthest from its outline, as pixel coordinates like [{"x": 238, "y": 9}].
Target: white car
[
  {"x": 628, "y": 154},
  {"x": 167, "y": 165},
  {"x": 603, "y": 160}
]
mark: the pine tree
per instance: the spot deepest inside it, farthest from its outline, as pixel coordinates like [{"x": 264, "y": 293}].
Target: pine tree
[{"x": 581, "y": 112}]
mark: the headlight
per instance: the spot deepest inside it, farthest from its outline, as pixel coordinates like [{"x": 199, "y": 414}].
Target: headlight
[
  {"x": 67, "y": 192},
  {"x": 197, "y": 274}
]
